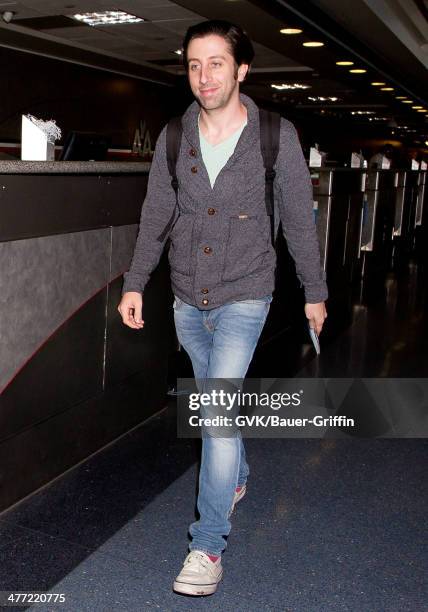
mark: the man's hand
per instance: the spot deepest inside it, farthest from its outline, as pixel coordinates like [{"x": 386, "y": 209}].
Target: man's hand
[
  {"x": 316, "y": 315},
  {"x": 131, "y": 309}
]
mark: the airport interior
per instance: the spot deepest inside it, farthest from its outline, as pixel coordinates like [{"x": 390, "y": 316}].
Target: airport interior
[{"x": 97, "y": 486}]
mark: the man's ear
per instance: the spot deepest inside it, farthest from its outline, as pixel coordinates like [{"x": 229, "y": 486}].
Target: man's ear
[{"x": 243, "y": 71}]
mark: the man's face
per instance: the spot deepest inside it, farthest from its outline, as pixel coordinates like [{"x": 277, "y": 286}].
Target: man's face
[{"x": 213, "y": 74}]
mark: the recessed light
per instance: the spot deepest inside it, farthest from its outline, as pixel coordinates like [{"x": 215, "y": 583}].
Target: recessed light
[
  {"x": 178, "y": 52},
  {"x": 107, "y": 18},
  {"x": 407, "y": 101},
  {"x": 378, "y": 84},
  {"x": 417, "y": 107},
  {"x": 400, "y": 98},
  {"x": 358, "y": 70},
  {"x": 290, "y": 86},
  {"x": 344, "y": 63},
  {"x": 423, "y": 110},
  {"x": 291, "y": 31},
  {"x": 387, "y": 89},
  {"x": 322, "y": 99},
  {"x": 313, "y": 44}
]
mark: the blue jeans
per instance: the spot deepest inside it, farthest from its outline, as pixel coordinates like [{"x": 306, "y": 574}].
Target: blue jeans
[{"x": 220, "y": 342}]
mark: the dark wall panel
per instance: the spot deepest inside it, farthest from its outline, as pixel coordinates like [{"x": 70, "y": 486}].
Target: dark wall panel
[
  {"x": 66, "y": 370},
  {"x": 128, "y": 349},
  {"x": 36, "y": 455},
  {"x": 42, "y": 282},
  {"x": 52, "y": 204},
  {"x": 83, "y": 388},
  {"x": 72, "y": 376},
  {"x": 78, "y": 98}
]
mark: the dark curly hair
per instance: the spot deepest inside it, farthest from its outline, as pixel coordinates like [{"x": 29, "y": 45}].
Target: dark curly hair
[{"x": 240, "y": 45}]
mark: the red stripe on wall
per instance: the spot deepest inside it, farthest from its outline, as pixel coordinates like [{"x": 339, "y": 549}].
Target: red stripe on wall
[{"x": 70, "y": 316}]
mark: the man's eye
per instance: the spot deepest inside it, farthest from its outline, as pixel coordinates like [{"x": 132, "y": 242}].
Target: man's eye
[
  {"x": 216, "y": 64},
  {"x": 194, "y": 67}
]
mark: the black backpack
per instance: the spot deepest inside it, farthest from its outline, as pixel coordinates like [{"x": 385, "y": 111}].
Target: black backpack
[{"x": 269, "y": 144}]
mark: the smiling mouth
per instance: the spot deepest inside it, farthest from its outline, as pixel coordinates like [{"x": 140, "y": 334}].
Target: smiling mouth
[{"x": 209, "y": 90}]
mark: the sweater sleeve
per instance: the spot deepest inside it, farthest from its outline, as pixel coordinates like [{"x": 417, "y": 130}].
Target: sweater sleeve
[
  {"x": 296, "y": 213},
  {"x": 156, "y": 211}
]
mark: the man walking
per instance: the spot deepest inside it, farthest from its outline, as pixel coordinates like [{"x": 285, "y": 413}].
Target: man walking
[{"x": 221, "y": 257}]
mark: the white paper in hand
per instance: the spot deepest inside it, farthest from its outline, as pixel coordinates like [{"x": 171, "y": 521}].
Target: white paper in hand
[{"x": 315, "y": 340}]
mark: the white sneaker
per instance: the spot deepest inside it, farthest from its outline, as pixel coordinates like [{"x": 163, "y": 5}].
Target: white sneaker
[
  {"x": 199, "y": 576},
  {"x": 238, "y": 496}
]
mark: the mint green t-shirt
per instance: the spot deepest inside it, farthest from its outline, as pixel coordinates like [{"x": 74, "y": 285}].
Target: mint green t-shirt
[{"x": 216, "y": 156}]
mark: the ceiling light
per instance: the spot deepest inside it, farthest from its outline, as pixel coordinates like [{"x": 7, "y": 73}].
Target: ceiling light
[
  {"x": 344, "y": 63},
  {"x": 7, "y": 16},
  {"x": 387, "y": 89},
  {"x": 107, "y": 18},
  {"x": 407, "y": 101},
  {"x": 178, "y": 52},
  {"x": 362, "y": 112},
  {"x": 423, "y": 110},
  {"x": 322, "y": 99},
  {"x": 313, "y": 44},
  {"x": 291, "y": 31},
  {"x": 290, "y": 86},
  {"x": 378, "y": 84},
  {"x": 400, "y": 98},
  {"x": 358, "y": 70},
  {"x": 417, "y": 107}
]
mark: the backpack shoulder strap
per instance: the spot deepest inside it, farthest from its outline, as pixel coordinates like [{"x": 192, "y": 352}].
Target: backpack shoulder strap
[
  {"x": 174, "y": 131},
  {"x": 270, "y": 125}
]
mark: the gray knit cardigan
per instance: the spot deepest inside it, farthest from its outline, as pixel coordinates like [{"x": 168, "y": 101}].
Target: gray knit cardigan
[{"x": 220, "y": 247}]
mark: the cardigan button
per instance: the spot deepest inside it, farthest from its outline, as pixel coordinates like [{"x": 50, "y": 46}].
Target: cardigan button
[
  {"x": 192, "y": 152},
  {"x": 207, "y": 250},
  {"x": 204, "y": 290},
  {"x": 211, "y": 211},
  {"x": 205, "y": 302},
  {"x": 194, "y": 169}
]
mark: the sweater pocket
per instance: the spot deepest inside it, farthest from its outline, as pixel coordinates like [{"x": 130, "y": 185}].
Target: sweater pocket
[
  {"x": 247, "y": 247},
  {"x": 181, "y": 243}
]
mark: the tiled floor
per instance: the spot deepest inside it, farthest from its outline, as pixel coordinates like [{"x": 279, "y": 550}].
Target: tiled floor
[{"x": 326, "y": 526}]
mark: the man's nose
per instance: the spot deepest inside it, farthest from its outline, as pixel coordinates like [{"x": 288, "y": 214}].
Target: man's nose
[{"x": 205, "y": 74}]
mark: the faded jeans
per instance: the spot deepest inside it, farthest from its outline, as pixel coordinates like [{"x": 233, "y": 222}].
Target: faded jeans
[{"x": 220, "y": 343}]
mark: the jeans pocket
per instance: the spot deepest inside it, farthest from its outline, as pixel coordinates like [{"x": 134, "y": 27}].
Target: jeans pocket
[{"x": 267, "y": 299}]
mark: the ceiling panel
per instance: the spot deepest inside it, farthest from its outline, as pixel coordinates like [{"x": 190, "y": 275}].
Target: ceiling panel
[
  {"x": 87, "y": 37},
  {"x": 20, "y": 10},
  {"x": 179, "y": 26},
  {"x": 278, "y": 58},
  {"x": 165, "y": 12}
]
